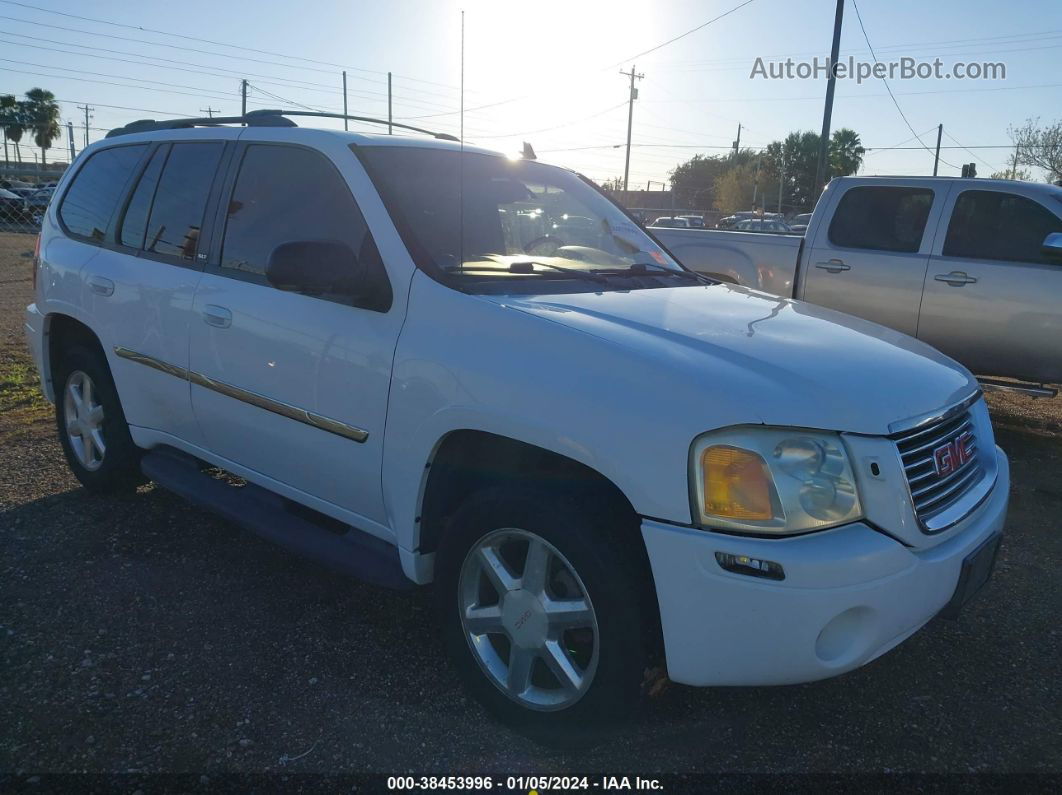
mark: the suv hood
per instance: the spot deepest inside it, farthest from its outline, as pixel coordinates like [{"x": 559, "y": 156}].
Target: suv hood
[{"x": 784, "y": 362}]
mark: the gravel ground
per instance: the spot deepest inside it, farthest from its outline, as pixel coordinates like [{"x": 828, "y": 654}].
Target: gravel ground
[{"x": 141, "y": 634}]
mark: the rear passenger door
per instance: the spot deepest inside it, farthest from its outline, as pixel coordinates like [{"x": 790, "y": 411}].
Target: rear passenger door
[
  {"x": 992, "y": 300},
  {"x": 138, "y": 288},
  {"x": 293, "y": 387},
  {"x": 870, "y": 259}
]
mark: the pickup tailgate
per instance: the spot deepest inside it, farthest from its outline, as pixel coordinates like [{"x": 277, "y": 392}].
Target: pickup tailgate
[{"x": 756, "y": 259}]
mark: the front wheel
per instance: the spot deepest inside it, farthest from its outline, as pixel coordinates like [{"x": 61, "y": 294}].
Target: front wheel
[{"x": 545, "y": 613}]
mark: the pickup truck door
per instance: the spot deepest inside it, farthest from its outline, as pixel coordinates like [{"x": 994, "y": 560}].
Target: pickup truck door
[
  {"x": 294, "y": 387},
  {"x": 992, "y": 300},
  {"x": 869, "y": 255}
]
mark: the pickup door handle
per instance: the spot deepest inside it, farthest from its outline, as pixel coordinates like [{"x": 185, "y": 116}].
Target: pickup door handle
[
  {"x": 833, "y": 266},
  {"x": 217, "y": 316},
  {"x": 100, "y": 285},
  {"x": 955, "y": 278}
]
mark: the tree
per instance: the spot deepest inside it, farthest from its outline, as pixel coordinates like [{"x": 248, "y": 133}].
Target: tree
[
  {"x": 793, "y": 162},
  {"x": 613, "y": 185},
  {"x": 846, "y": 152},
  {"x": 12, "y": 120},
  {"x": 1039, "y": 147},
  {"x": 42, "y": 112},
  {"x": 1012, "y": 173},
  {"x": 735, "y": 189},
  {"x": 694, "y": 182}
]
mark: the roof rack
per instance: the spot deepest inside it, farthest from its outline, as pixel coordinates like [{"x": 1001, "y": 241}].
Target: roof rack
[{"x": 260, "y": 118}]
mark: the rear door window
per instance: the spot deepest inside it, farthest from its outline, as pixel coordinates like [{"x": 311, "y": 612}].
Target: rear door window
[
  {"x": 176, "y": 216},
  {"x": 1002, "y": 226},
  {"x": 134, "y": 224},
  {"x": 93, "y": 196},
  {"x": 881, "y": 218}
]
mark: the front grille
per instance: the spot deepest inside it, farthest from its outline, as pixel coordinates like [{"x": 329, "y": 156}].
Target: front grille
[{"x": 934, "y": 494}]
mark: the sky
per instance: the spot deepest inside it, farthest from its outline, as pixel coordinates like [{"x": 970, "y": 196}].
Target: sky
[{"x": 549, "y": 72}]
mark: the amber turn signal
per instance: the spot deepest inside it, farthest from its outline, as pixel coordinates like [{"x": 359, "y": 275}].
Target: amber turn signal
[{"x": 737, "y": 484}]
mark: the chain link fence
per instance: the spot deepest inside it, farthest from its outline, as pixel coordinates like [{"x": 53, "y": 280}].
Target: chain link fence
[{"x": 25, "y": 191}]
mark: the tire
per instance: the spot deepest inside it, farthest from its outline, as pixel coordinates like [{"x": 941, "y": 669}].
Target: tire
[
  {"x": 84, "y": 372},
  {"x": 589, "y": 561}
]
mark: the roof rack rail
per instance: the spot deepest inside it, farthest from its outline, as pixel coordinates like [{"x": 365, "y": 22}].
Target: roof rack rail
[{"x": 260, "y": 118}]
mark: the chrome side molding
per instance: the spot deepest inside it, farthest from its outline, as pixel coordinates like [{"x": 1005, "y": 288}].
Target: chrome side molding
[{"x": 246, "y": 396}]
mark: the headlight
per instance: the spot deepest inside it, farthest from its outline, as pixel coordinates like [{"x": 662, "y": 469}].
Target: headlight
[{"x": 772, "y": 480}]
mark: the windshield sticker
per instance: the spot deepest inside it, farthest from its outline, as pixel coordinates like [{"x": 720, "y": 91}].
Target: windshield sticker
[{"x": 627, "y": 232}]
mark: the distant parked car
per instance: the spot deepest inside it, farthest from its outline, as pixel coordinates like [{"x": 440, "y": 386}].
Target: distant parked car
[
  {"x": 37, "y": 203},
  {"x": 762, "y": 225},
  {"x": 694, "y": 221},
  {"x": 12, "y": 208},
  {"x": 799, "y": 222},
  {"x": 671, "y": 222}
]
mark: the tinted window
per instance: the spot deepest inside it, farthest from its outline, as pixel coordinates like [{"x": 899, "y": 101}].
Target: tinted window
[
  {"x": 883, "y": 219},
  {"x": 136, "y": 214},
  {"x": 93, "y": 196},
  {"x": 285, "y": 194},
  {"x": 994, "y": 225},
  {"x": 180, "y": 200}
]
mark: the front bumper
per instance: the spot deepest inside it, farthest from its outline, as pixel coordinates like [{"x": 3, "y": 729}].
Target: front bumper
[{"x": 850, "y": 594}]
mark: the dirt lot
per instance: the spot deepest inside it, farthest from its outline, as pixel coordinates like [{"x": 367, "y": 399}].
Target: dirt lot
[{"x": 143, "y": 635}]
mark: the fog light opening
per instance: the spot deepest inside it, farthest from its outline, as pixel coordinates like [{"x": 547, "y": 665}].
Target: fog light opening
[{"x": 752, "y": 567}]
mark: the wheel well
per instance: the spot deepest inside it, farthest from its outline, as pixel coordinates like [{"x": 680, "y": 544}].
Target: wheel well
[
  {"x": 467, "y": 461},
  {"x": 64, "y": 333}
]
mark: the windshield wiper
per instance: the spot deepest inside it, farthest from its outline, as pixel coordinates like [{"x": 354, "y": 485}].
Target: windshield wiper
[
  {"x": 642, "y": 269},
  {"x": 528, "y": 268}
]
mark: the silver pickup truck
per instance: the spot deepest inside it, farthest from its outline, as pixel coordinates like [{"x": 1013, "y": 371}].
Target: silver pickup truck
[{"x": 971, "y": 266}]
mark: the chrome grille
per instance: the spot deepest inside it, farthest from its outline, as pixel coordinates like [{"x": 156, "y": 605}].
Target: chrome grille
[{"x": 932, "y": 494}]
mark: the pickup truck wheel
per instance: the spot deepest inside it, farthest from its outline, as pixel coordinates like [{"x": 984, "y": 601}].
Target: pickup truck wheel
[
  {"x": 543, "y": 614},
  {"x": 92, "y": 427}
]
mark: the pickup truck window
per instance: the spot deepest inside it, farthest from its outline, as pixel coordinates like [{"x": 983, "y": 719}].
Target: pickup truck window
[
  {"x": 881, "y": 218},
  {"x": 93, "y": 196},
  {"x": 285, "y": 194},
  {"x": 523, "y": 222},
  {"x": 1001, "y": 226},
  {"x": 180, "y": 200}
]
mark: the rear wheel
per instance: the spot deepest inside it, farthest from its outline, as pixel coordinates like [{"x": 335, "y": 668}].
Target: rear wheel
[
  {"x": 92, "y": 427},
  {"x": 544, "y": 613}
]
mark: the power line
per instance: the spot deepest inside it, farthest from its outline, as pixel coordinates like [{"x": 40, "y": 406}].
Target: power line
[
  {"x": 889, "y": 88},
  {"x": 201, "y": 40},
  {"x": 972, "y": 154},
  {"x": 676, "y": 38}
]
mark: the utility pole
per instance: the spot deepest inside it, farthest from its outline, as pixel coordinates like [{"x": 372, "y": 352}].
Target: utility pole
[
  {"x": 346, "y": 125},
  {"x": 389, "y": 131},
  {"x": 209, "y": 111},
  {"x": 630, "y": 121},
  {"x": 70, "y": 138},
  {"x": 243, "y": 93},
  {"x": 86, "y": 108},
  {"x": 781, "y": 181},
  {"x": 831, "y": 84},
  {"x": 737, "y": 141},
  {"x": 936, "y": 158}
]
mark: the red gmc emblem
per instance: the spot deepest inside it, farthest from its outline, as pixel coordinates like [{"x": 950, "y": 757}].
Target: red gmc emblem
[{"x": 949, "y": 457}]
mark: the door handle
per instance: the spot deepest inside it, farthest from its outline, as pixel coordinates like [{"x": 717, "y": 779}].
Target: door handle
[
  {"x": 833, "y": 266},
  {"x": 100, "y": 285},
  {"x": 955, "y": 278},
  {"x": 217, "y": 316}
]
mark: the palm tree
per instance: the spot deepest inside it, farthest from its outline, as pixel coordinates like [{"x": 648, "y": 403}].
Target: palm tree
[
  {"x": 12, "y": 121},
  {"x": 43, "y": 115},
  {"x": 846, "y": 152}
]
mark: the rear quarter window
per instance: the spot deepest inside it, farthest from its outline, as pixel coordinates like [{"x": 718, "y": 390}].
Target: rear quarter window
[{"x": 90, "y": 201}]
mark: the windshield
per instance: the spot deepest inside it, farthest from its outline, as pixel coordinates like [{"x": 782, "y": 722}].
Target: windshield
[{"x": 522, "y": 221}]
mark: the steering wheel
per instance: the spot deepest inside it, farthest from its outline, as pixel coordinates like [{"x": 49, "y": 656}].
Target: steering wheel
[{"x": 545, "y": 245}]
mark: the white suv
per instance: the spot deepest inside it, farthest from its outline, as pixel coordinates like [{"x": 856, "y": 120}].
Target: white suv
[{"x": 425, "y": 371}]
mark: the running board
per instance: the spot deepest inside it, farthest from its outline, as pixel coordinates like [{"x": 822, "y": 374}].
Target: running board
[
  {"x": 302, "y": 530},
  {"x": 1033, "y": 390}
]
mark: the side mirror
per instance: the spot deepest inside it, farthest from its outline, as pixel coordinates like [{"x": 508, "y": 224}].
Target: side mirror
[
  {"x": 316, "y": 267},
  {"x": 1052, "y": 246}
]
